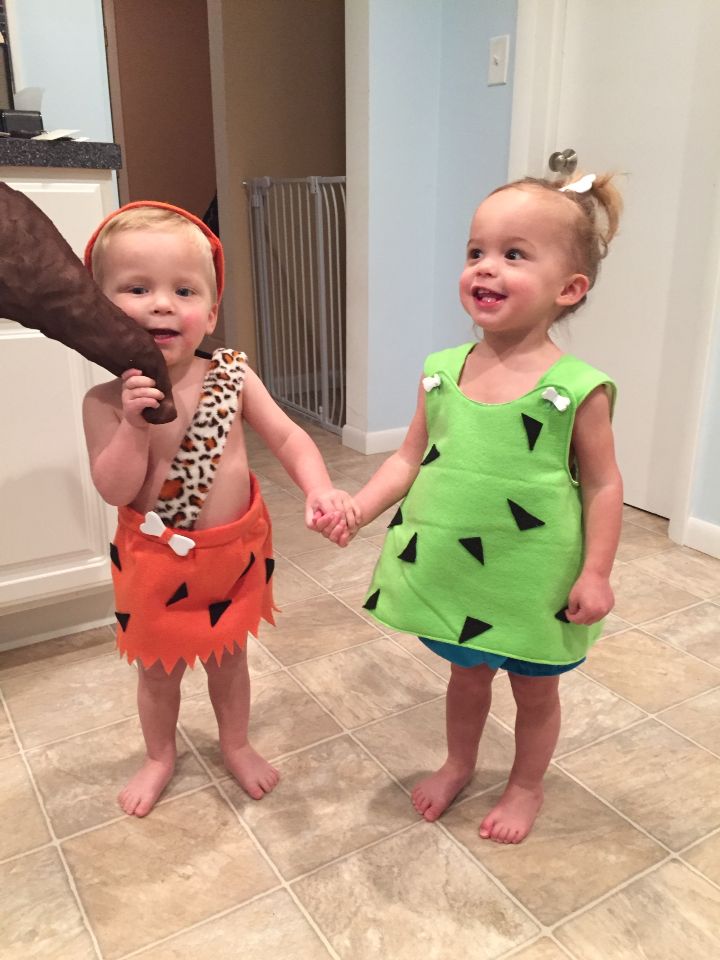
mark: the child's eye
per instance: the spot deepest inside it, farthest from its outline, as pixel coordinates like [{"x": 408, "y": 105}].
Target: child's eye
[
  {"x": 514, "y": 254},
  {"x": 474, "y": 253},
  {"x": 184, "y": 292},
  {"x": 137, "y": 289}
]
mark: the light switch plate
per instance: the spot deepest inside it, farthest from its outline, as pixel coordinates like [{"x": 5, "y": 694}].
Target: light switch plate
[{"x": 498, "y": 63}]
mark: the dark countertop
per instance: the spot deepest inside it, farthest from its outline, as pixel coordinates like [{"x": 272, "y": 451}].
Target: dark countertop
[{"x": 17, "y": 152}]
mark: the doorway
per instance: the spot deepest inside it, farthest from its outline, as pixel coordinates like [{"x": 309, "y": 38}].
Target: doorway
[
  {"x": 161, "y": 100},
  {"x": 630, "y": 86}
]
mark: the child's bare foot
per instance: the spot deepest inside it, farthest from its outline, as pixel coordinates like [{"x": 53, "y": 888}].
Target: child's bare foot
[
  {"x": 141, "y": 793},
  {"x": 511, "y": 820},
  {"x": 254, "y": 774},
  {"x": 432, "y": 796}
]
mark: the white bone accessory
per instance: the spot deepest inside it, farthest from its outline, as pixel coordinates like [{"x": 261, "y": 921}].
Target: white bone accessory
[
  {"x": 580, "y": 186},
  {"x": 154, "y": 527},
  {"x": 429, "y": 383},
  {"x": 560, "y": 403}
]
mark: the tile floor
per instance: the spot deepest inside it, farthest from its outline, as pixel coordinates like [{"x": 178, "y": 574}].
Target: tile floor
[{"x": 624, "y": 861}]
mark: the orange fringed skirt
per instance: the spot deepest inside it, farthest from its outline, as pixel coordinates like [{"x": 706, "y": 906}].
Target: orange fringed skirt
[{"x": 171, "y": 607}]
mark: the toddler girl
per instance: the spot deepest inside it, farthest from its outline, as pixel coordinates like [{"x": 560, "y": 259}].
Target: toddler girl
[{"x": 499, "y": 556}]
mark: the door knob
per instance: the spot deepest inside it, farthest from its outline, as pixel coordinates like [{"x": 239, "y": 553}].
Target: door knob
[{"x": 563, "y": 161}]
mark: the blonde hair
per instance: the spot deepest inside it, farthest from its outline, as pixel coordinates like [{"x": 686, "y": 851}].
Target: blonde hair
[
  {"x": 153, "y": 218},
  {"x": 594, "y": 226}
]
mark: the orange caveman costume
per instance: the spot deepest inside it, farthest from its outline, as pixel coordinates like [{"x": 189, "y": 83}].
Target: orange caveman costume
[
  {"x": 179, "y": 606},
  {"x": 182, "y": 593}
]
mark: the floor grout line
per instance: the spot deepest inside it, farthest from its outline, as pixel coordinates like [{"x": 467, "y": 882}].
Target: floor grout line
[
  {"x": 54, "y": 840},
  {"x": 261, "y": 849},
  {"x": 641, "y": 874},
  {"x": 200, "y": 923},
  {"x": 611, "y": 806},
  {"x": 677, "y": 649},
  {"x": 220, "y": 784},
  {"x": 696, "y": 843},
  {"x": 699, "y": 873},
  {"x": 418, "y": 823}
]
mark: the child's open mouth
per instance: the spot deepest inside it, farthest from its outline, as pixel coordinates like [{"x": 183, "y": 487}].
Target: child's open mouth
[
  {"x": 483, "y": 295},
  {"x": 163, "y": 336}
]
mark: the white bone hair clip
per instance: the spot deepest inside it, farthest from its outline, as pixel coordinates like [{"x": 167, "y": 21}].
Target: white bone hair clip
[
  {"x": 560, "y": 403},
  {"x": 154, "y": 526},
  {"x": 580, "y": 186},
  {"x": 429, "y": 383}
]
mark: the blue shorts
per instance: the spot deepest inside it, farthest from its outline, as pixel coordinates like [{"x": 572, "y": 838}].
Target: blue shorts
[{"x": 467, "y": 657}]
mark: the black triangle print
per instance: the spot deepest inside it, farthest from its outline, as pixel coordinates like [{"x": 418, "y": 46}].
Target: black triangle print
[
  {"x": 409, "y": 554},
  {"x": 473, "y": 628},
  {"x": 524, "y": 520},
  {"x": 180, "y": 594},
  {"x": 250, "y": 562},
  {"x": 371, "y": 601},
  {"x": 432, "y": 454},
  {"x": 217, "y": 610},
  {"x": 122, "y": 619},
  {"x": 474, "y": 546},
  {"x": 397, "y": 519},
  {"x": 561, "y": 615},
  {"x": 115, "y": 556},
  {"x": 269, "y": 567},
  {"x": 532, "y": 429}
]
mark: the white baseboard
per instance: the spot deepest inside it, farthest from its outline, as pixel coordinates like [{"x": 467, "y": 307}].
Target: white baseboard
[
  {"x": 380, "y": 441},
  {"x": 703, "y": 536},
  {"x": 57, "y": 619}
]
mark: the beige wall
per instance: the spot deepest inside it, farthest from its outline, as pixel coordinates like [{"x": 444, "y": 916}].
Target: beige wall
[
  {"x": 162, "y": 107},
  {"x": 278, "y": 71}
]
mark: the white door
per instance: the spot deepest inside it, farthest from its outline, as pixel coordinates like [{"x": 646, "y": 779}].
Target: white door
[{"x": 634, "y": 87}]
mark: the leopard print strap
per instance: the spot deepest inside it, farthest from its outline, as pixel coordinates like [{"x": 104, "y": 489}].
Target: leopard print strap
[{"x": 191, "y": 473}]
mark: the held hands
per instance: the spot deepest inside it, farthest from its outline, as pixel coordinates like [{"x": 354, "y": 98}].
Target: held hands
[
  {"x": 334, "y": 514},
  {"x": 591, "y": 598},
  {"x": 138, "y": 392}
]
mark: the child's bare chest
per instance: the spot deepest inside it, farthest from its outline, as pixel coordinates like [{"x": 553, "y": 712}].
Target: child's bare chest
[
  {"x": 498, "y": 386},
  {"x": 490, "y": 380},
  {"x": 206, "y": 455}
]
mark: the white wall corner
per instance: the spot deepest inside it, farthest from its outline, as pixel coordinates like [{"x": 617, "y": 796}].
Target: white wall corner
[
  {"x": 377, "y": 441},
  {"x": 703, "y": 536},
  {"x": 357, "y": 174}
]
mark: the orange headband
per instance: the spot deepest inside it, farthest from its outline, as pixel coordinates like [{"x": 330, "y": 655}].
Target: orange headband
[{"x": 215, "y": 245}]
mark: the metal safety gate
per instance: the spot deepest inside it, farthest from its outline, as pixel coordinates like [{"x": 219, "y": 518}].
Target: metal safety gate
[{"x": 297, "y": 232}]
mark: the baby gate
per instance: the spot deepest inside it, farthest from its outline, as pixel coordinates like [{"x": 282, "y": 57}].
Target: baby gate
[{"x": 297, "y": 229}]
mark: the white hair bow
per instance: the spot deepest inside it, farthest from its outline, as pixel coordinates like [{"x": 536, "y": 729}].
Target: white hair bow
[
  {"x": 429, "y": 383},
  {"x": 154, "y": 526},
  {"x": 580, "y": 186},
  {"x": 560, "y": 403}
]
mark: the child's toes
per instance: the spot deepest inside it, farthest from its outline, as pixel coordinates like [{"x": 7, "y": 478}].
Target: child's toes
[
  {"x": 420, "y": 801},
  {"x": 128, "y": 801},
  {"x": 270, "y": 781},
  {"x": 486, "y": 828}
]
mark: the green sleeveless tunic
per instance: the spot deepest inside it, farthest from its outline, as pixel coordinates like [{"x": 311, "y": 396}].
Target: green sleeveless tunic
[{"x": 488, "y": 542}]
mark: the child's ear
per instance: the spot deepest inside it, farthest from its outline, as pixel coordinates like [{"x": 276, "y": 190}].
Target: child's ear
[
  {"x": 212, "y": 318},
  {"x": 574, "y": 290}
]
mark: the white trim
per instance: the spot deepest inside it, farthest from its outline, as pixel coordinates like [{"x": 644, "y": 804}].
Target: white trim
[
  {"x": 357, "y": 216},
  {"x": 539, "y": 45},
  {"x": 224, "y": 177},
  {"x": 378, "y": 441},
  {"x": 65, "y": 631},
  {"x": 63, "y": 616},
  {"x": 703, "y": 536},
  {"x": 536, "y": 85},
  {"x": 13, "y": 38},
  {"x": 687, "y": 479}
]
